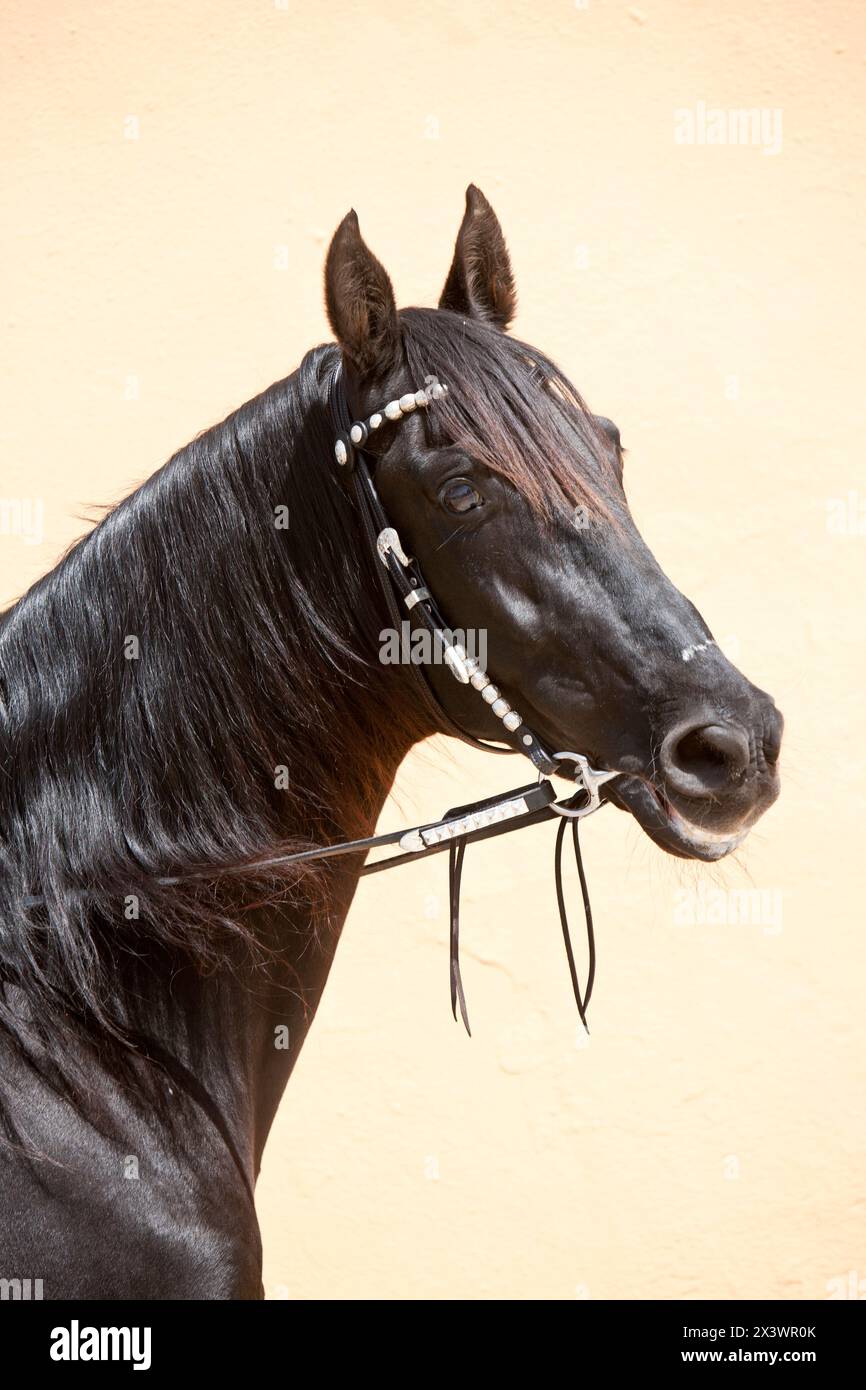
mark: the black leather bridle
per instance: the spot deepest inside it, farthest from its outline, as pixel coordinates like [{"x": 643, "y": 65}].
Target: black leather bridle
[{"x": 403, "y": 584}]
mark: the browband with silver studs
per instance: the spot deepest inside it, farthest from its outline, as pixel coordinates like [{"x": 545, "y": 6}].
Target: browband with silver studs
[{"x": 359, "y": 431}]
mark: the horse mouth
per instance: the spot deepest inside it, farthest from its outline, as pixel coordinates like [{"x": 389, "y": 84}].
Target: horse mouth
[{"x": 665, "y": 826}]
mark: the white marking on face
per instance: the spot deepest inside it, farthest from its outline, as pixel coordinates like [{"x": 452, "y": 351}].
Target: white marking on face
[{"x": 688, "y": 652}]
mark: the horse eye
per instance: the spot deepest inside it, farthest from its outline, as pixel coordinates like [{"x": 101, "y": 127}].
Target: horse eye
[{"x": 459, "y": 496}]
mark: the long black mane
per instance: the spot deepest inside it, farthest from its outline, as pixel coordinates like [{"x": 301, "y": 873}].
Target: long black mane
[{"x": 164, "y": 691}]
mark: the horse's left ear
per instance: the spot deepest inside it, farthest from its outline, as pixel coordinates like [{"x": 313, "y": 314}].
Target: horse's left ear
[
  {"x": 480, "y": 282},
  {"x": 360, "y": 302}
]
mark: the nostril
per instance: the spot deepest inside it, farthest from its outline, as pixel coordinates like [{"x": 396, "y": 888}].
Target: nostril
[{"x": 705, "y": 758}]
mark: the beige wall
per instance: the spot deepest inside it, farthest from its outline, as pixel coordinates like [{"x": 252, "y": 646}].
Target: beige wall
[{"x": 709, "y": 1141}]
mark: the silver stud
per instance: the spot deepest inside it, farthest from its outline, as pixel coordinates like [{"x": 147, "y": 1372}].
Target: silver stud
[
  {"x": 393, "y": 411},
  {"x": 356, "y": 434},
  {"x": 512, "y": 721},
  {"x": 408, "y": 402},
  {"x": 375, "y": 421},
  {"x": 527, "y": 739},
  {"x": 455, "y": 660},
  {"x": 340, "y": 452},
  {"x": 500, "y": 708},
  {"x": 411, "y": 841},
  {"x": 490, "y": 693}
]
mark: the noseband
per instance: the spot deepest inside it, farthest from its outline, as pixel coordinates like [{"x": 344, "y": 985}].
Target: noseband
[{"x": 403, "y": 584}]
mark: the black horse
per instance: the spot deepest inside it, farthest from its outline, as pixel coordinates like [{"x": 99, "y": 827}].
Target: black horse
[{"x": 196, "y": 690}]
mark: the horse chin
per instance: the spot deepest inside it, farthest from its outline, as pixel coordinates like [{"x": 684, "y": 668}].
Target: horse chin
[{"x": 664, "y": 824}]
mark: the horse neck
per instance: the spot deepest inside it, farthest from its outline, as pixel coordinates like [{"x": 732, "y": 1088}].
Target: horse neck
[
  {"x": 250, "y": 717},
  {"x": 229, "y": 1042},
  {"x": 338, "y": 750}
]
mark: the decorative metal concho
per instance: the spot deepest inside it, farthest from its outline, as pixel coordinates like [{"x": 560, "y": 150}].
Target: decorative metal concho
[
  {"x": 463, "y": 668},
  {"x": 360, "y": 430}
]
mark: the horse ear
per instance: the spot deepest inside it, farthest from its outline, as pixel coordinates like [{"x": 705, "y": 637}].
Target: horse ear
[
  {"x": 480, "y": 282},
  {"x": 360, "y": 302}
]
